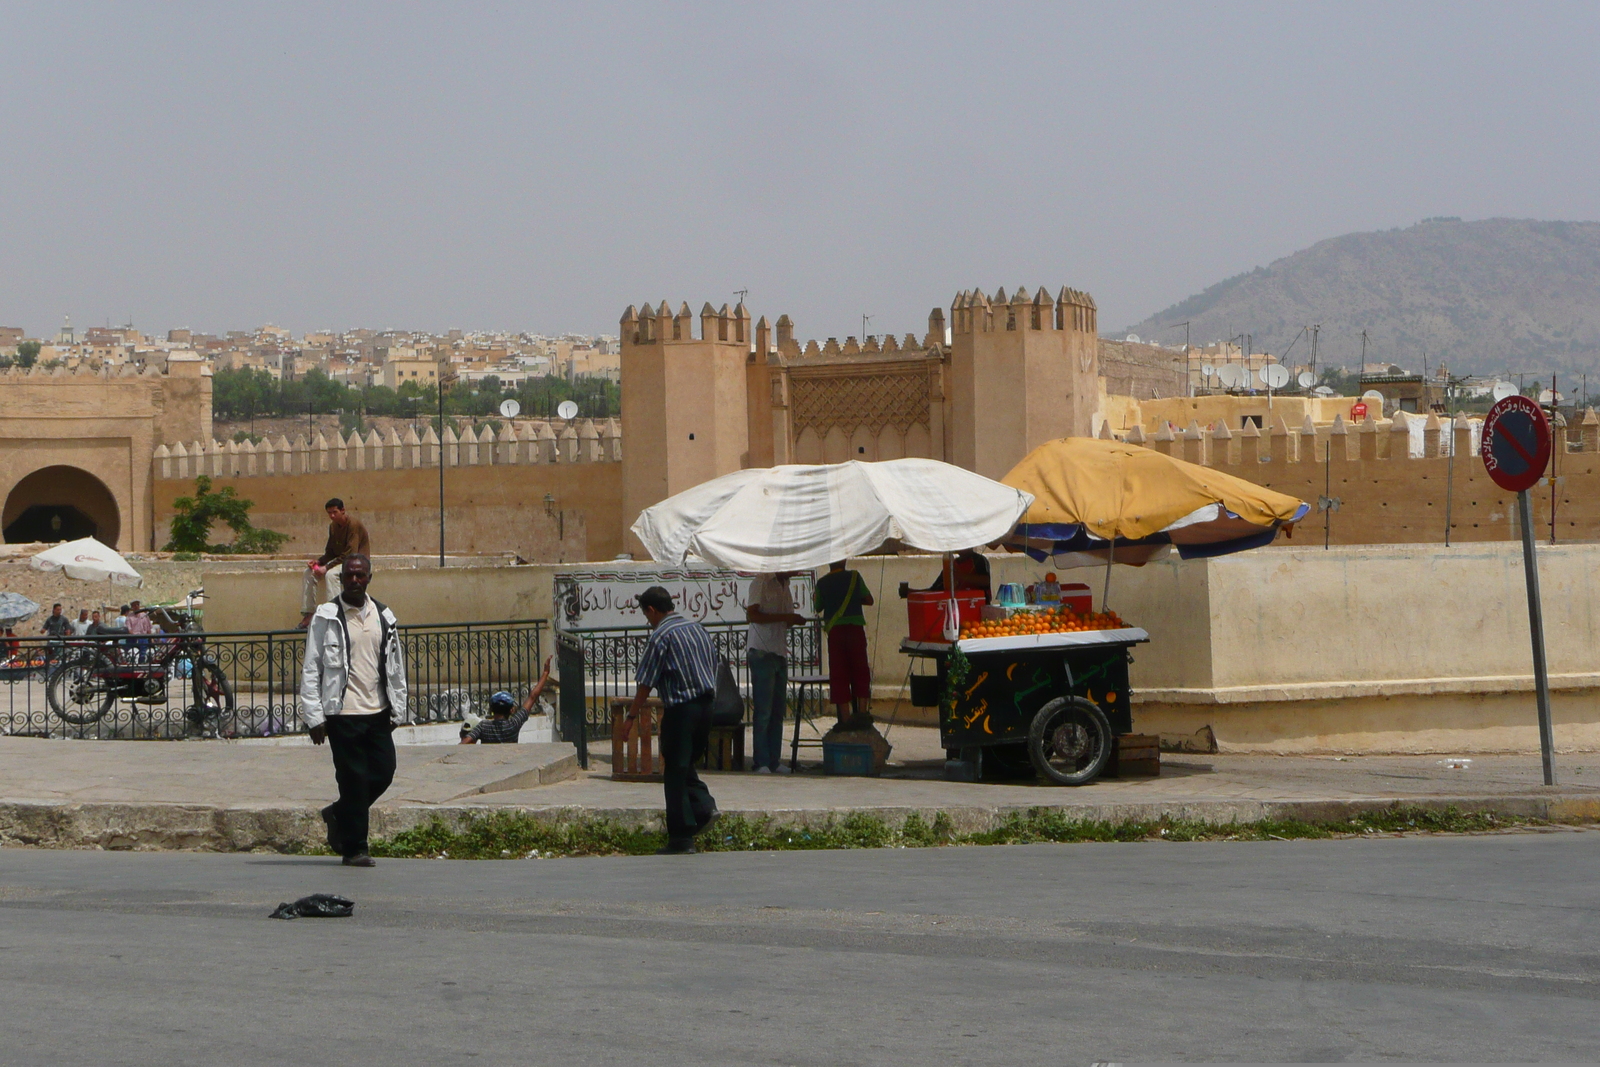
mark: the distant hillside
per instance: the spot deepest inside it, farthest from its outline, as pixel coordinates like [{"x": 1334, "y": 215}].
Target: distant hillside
[{"x": 1498, "y": 295}]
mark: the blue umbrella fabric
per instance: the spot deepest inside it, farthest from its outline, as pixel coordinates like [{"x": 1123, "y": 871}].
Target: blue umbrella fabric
[{"x": 16, "y": 608}]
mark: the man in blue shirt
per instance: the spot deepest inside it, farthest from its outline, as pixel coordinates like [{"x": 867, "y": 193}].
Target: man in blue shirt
[{"x": 680, "y": 661}]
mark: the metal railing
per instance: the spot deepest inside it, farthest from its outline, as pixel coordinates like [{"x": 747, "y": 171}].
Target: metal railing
[
  {"x": 235, "y": 685},
  {"x": 597, "y": 667}
]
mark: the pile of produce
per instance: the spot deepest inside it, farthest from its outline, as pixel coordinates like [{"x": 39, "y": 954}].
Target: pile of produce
[{"x": 1050, "y": 621}]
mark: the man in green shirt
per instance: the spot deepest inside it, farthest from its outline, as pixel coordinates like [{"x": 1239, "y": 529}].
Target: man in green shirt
[{"x": 839, "y": 597}]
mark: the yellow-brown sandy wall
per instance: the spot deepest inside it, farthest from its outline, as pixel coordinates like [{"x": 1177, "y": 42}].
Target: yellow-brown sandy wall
[{"x": 488, "y": 509}]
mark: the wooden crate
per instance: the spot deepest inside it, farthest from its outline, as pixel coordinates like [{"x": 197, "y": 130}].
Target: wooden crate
[
  {"x": 725, "y": 749},
  {"x": 1135, "y": 756},
  {"x": 634, "y": 756}
]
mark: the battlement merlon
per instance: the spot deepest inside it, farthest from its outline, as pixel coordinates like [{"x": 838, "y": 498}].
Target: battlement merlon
[
  {"x": 658, "y": 324},
  {"x": 971, "y": 311}
]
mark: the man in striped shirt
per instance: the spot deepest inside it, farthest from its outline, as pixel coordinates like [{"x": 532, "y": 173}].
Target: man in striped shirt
[{"x": 679, "y": 661}]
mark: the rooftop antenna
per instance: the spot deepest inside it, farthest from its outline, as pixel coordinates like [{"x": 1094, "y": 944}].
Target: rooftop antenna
[
  {"x": 864, "y": 320},
  {"x": 741, "y": 294},
  {"x": 1363, "y": 368},
  {"x": 1316, "y": 328}
]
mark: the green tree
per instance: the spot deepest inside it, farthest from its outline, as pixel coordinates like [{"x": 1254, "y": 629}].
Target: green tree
[
  {"x": 193, "y": 517},
  {"x": 27, "y": 354}
]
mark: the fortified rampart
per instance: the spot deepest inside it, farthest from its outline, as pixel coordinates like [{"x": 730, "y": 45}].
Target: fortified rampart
[
  {"x": 1384, "y": 486},
  {"x": 75, "y": 446},
  {"x": 544, "y": 493},
  {"x": 1010, "y": 373}
]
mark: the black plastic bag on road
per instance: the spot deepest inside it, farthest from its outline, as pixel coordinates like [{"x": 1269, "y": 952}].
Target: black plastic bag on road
[{"x": 316, "y": 906}]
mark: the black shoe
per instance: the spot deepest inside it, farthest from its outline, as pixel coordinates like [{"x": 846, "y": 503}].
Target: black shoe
[
  {"x": 676, "y": 848},
  {"x": 334, "y": 843},
  {"x": 360, "y": 859},
  {"x": 703, "y": 827}
]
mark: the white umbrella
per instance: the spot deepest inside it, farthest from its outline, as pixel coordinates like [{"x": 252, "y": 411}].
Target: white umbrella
[
  {"x": 796, "y": 517},
  {"x": 88, "y": 560}
]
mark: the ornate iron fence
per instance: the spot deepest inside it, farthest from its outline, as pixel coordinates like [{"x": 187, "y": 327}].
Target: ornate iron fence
[
  {"x": 597, "y": 667},
  {"x": 195, "y": 684}
]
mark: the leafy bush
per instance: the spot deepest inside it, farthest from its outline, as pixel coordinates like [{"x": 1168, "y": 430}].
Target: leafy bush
[{"x": 193, "y": 517}]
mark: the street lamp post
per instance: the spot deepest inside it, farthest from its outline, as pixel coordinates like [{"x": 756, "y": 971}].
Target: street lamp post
[{"x": 444, "y": 380}]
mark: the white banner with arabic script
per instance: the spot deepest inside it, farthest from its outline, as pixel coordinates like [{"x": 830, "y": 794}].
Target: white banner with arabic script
[{"x": 607, "y": 599}]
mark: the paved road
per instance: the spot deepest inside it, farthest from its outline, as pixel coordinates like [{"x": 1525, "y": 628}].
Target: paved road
[{"x": 1466, "y": 948}]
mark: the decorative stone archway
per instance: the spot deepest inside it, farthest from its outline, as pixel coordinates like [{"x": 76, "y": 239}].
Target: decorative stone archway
[{"x": 61, "y": 503}]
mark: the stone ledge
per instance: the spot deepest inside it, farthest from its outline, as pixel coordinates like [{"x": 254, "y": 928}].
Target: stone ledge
[
  {"x": 177, "y": 827},
  {"x": 1393, "y": 687}
]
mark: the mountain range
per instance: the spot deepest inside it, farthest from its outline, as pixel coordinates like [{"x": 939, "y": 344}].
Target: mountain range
[{"x": 1495, "y": 296}]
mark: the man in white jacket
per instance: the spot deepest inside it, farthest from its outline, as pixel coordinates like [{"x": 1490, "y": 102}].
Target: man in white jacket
[{"x": 353, "y": 695}]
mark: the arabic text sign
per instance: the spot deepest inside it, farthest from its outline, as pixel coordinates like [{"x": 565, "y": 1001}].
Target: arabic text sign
[
  {"x": 1515, "y": 445},
  {"x": 599, "y": 600}
]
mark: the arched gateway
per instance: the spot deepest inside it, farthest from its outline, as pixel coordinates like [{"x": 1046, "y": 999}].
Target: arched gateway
[{"x": 61, "y": 503}]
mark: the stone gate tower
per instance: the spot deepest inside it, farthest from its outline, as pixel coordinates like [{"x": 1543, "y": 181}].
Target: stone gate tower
[
  {"x": 1023, "y": 371},
  {"x": 683, "y": 401}
]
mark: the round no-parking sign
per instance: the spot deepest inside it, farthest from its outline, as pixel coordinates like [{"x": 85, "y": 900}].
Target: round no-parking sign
[{"x": 1516, "y": 443}]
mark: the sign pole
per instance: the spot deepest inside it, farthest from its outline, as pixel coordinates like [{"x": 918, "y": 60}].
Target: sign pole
[
  {"x": 1541, "y": 675},
  {"x": 1516, "y": 449}
]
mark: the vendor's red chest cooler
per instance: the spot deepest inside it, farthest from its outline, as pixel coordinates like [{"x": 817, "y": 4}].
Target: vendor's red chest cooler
[
  {"x": 925, "y": 612},
  {"x": 1077, "y": 597}
]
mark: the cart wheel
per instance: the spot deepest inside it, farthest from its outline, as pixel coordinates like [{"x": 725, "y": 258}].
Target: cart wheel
[{"x": 1070, "y": 741}]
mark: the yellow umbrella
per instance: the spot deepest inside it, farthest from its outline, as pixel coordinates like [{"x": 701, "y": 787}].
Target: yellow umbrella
[{"x": 1098, "y": 496}]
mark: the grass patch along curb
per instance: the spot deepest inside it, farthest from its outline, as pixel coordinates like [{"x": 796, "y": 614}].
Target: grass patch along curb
[{"x": 520, "y": 835}]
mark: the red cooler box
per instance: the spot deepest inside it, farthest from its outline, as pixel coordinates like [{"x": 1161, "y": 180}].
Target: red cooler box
[
  {"x": 1077, "y": 597},
  {"x": 925, "y": 612}
]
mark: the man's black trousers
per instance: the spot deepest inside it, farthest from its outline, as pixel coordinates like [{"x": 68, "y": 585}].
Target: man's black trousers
[
  {"x": 685, "y": 732},
  {"x": 363, "y": 765}
]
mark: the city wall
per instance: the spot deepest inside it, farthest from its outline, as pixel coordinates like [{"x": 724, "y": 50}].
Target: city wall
[
  {"x": 1384, "y": 495},
  {"x": 75, "y": 447},
  {"x": 532, "y": 492}
]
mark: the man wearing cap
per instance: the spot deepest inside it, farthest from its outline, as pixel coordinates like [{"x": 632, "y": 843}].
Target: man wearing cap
[
  {"x": 680, "y": 661},
  {"x": 502, "y": 727},
  {"x": 353, "y": 695}
]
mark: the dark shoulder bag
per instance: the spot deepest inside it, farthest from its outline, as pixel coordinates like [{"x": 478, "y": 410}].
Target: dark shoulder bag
[{"x": 727, "y": 707}]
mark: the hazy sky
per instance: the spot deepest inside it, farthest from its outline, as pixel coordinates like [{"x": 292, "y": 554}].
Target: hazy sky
[{"x": 512, "y": 166}]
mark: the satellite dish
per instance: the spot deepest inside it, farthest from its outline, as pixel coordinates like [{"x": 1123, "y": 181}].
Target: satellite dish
[
  {"x": 510, "y": 408},
  {"x": 1208, "y": 370},
  {"x": 1502, "y": 390},
  {"x": 1232, "y": 375},
  {"x": 1306, "y": 379},
  {"x": 1133, "y": 338},
  {"x": 1547, "y": 397},
  {"x": 1372, "y": 396},
  {"x": 1275, "y": 375},
  {"x": 567, "y": 410}
]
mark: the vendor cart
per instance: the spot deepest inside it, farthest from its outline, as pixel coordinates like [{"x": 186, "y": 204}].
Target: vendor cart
[{"x": 1055, "y": 701}]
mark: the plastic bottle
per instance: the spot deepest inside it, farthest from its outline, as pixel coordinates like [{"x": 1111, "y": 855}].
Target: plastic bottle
[{"x": 1048, "y": 591}]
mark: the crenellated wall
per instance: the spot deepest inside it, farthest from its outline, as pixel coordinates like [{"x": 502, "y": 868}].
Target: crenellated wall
[
  {"x": 496, "y": 488},
  {"x": 1393, "y": 481}
]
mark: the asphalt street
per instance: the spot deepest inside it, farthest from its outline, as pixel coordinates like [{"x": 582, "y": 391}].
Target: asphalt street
[{"x": 1449, "y": 948}]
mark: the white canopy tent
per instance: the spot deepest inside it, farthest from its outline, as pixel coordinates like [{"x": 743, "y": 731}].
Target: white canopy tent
[
  {"x": 796, "y": 517},
  {"x": 88, "y": 560}
]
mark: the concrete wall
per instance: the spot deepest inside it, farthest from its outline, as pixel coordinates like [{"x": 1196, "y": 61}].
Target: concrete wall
[
  {"x": 1409, "y": 648},
  {"x": 1395, "y": 648},
  {"x": 418, "y": 590}
]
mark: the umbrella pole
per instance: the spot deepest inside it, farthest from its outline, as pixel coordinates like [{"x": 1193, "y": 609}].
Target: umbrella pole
[{"x": 1111, "y": 551}]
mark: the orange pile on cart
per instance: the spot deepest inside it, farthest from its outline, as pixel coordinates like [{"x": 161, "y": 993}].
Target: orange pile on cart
[{"x": 1048, "y": 621}]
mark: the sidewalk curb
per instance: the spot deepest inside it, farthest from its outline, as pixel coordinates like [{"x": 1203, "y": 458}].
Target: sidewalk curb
[{"x": 193, "y": 827}]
